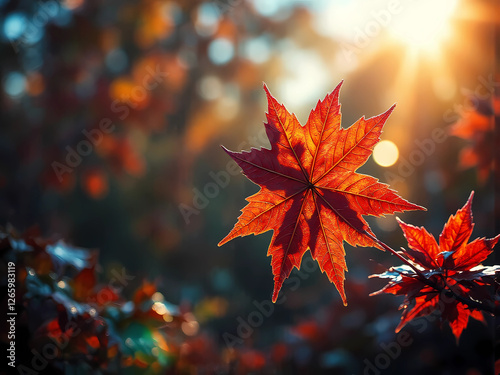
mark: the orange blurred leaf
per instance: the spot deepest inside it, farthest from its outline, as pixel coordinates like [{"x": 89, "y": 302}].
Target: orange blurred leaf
[{"x": 477, "y": 127}]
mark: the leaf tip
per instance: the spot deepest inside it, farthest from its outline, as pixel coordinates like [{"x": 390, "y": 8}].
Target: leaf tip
[
  {"x": 342, "y": 295},
  {"x": 275, "y": 296},
  {"x": 223, "y": 241},
  {"x": 339, "y": 86},
  {"x": 400, "y": 222},
  {"x": 469, "y": 200},
  {"x": 266, "y": 89},
  {"x": 387, "y": 113},
  {"x": 229, "y": 152},
  {"x": 415, "y": 207}
]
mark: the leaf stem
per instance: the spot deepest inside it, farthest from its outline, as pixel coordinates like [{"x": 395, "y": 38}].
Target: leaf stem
[{"x": 467, "y": 301}]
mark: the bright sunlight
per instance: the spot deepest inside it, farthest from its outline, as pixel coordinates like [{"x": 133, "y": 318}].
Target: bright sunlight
[{"x": 424, "y": 24}]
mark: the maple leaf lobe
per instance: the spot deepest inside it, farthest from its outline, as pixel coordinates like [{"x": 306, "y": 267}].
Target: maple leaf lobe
[{"x": 310, "y": 194}]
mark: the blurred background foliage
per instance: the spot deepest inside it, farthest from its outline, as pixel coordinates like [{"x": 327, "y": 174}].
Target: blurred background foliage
[{"x": 160, "y": 85}]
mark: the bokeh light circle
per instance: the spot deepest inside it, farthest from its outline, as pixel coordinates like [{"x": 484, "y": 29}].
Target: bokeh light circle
[
  {"x": 220, "y": 51},
  {"x": 385, "y": 153}
]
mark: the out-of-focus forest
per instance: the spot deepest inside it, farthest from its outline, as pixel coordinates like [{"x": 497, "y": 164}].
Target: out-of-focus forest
[{"x": 115, "y": 190}]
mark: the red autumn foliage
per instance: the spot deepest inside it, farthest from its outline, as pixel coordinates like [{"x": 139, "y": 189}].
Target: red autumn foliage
[
  {"x": 477, "y": 126},
  {"x": 454, "y": 277},
  {"x": 62, "y": 304},
  {"x": 310, "y": 196}
]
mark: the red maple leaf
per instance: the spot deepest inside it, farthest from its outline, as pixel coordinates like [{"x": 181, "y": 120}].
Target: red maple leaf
[
  {"x": 452, "y": 270},
  {"x": 310, "y": 196}
]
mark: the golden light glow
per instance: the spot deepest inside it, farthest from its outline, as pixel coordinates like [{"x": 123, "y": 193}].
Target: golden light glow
[
  {"x": 385, "y": 153},
  {"x": 423, "y": 24},
  {"x": 168, "y": 318},
  {"x": 157, "y": 297},
  {"x": 160, "y": 308}
]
